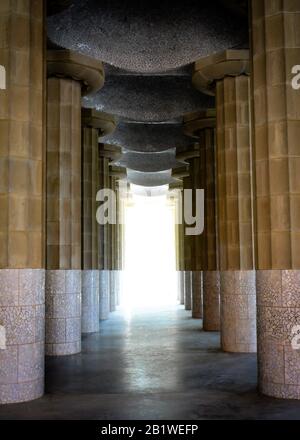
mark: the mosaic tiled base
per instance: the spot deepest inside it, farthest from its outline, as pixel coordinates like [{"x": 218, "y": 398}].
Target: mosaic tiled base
[
  {"x": 118, "y": 278},
  {"x": 90, "y": 301},
  {"x": 181, "y": 286},
  {"x": 63, "y": 312},
  {"x": 188, "y": 290},
  {"x": 112, "y": 300},
  {"x": 197, "y": 295},
  {"x": 238, "y": 311},
  {"x": 278, "y": 327},
  {"x": 22, "y": 314},
  {"x": 104, "y": 296},
  {"x": 211, "y": 301}
]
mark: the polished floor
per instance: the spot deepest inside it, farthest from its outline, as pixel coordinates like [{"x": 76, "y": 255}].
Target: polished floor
[{"x": 152, "y": 365}]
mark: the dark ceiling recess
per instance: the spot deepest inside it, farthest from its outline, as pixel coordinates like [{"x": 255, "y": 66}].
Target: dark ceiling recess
[
  {"x": 57, "y": 6},
  {"x": 239, "y": 6}
]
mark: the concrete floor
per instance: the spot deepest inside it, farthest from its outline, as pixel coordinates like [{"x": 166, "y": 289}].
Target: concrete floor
[{"x": 157, "y": 365}]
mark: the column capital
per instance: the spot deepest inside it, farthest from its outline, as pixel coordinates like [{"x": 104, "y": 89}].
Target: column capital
[
  {"x": 191, "y": 153},
  {"x": 180, "y": 174},
  {"x": 193, "y": 123},
  {"x": 108, "y": 151},
  {"x": 118, "y": 172},
  {"x": 69, "y": 64},
  {"x": 216, "y": 67},
  {"x": 103, "y": 122}
]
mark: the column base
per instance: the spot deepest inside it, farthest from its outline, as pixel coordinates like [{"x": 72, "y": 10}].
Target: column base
[
  {"x": 238, "y": 311},
  {"x": 197, "y": 295},
  {"x": 63, "y": 312},
  {"x": 118, "y": 282},
  {"x": 278, "y": 299},
  {"x": 90, "y": 301},
  {"x": 104, "y": 299},
  {"x": 181, "y": 287},
  {"x": 188, "y": 290},
  {"x": 113, "y": 304},
  {"x": 211, "y": 301},
  {"x": 22, "y": 315}
]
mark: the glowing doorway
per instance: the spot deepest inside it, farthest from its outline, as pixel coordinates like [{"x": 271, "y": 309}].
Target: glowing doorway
[{"x": 150, "y": 279}]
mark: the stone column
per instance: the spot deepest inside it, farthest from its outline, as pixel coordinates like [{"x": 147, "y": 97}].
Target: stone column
[
  {"x": 196, "y": 263},
  {"x": 179, "y": 233},
  {"x": 197, "y": 294},
  {"x": 276, "y": 108},
  {"x": 90, "y": 177},
  {"x": 64, "y": 259},
  {"x": 201, "y": 126},
  {"x": 113, "y": 244},
  {"x": 177, "y": 262},
  {"x": 111, "y": 261},
  {"x": 118, "y": 251},
  {"x": 188, "y": 289},
  {"x": 181, "y": 263},
  {"x": 94, "y": 124},
  {"x": 22, "y": 276},
  {"x": 104, "y": 299},
  {"x": 227, "y": 75},
  {"x": 187, "y": 184}
]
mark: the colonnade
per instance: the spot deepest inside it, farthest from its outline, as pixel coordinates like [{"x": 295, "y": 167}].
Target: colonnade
[
  {"x": 60, "y": 269},
  {"x": 249, "y": 163},
  {"x": 52, "y": 257}
]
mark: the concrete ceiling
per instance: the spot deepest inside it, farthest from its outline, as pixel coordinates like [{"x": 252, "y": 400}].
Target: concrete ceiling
[
  {"x": 148, "y": 162},
  {"x": 148, "y": 49},
  {"x": 148, "y": 138},
  {"x": 148, "y": 98},
  {"x": 144, "y": 36}
]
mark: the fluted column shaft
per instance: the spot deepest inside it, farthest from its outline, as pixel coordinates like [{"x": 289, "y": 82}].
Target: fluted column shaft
[
  {"x": 63, "y": 280},
  {"x": 64, "y": 170},
  {"x": 188, "y": 249},
  {"x": 179, "y": 234},
  {"x": 63, "y": 174},
  {"x": 90, "y": 274},
  {"x": 90, "y": 184},
  {"x": 22, "y": 154},
  {"x": 276, "y": 104},
  {"x": 104, "y": 247},
  {"x": 196, "y": 243},
  {"x": 227, "y": 75},
  {"x": 235, "y": 216},
  {"x": 210, "y": 264}
]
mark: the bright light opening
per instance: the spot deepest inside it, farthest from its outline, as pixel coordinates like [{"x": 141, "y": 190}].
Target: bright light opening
[{"x": 150, "y": 279}]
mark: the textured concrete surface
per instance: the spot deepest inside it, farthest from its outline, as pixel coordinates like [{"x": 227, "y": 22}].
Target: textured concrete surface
[
  {"x": 278, "y": 305},
  {"x": 147, "y": 38},
  {"x": 148, "y": 138},
  {"x": 157, "y": 365},
  {"x": 148, "y": 98},
  {"x": 63, "y": 312},
  {"x": 22, "y": 316},
  {"x": 149, "y": 162}
]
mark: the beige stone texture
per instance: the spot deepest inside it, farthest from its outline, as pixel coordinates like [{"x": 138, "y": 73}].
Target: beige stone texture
[
  {"x": 22, "y": 136},
  {"x": 63, "y": 174},
  {"x": 276, "y": 114},
  {"x": 276, "y": 129}
]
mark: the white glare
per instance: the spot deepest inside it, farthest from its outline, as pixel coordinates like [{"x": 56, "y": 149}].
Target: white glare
[{"x": 150, "y": 264}]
